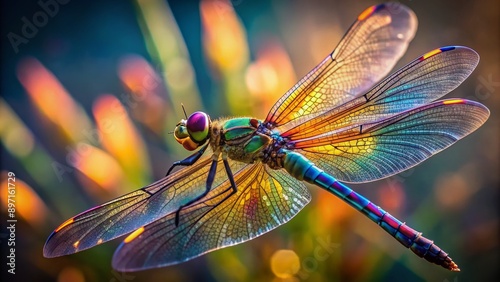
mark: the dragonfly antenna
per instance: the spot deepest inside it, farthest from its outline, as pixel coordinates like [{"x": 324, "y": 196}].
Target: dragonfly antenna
[{"x": 184, "y": 110}]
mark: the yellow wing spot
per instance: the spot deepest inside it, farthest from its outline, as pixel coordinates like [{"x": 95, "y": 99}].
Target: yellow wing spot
[
  {"x": 67, "y": 222},
  {"x": 133, "y": 235},
  {"x": 278, "y": 186},
  {"x": 431, "y": 53},
  {"x": 99, "y": 241},
  {"x": 366, "y": 13},
  {"x": 75, "y": 244},
  {"x": 454, "y": 101}
]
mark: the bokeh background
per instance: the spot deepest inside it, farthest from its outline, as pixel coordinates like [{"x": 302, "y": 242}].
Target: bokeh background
[{"x": 90, "y": 94}]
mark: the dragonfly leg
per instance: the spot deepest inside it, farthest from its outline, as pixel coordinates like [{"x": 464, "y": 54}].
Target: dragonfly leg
[
  {"x": 210, "y": 181},
  {"x": 230, "y": 176},
  {"x": 189, "y": 160}
]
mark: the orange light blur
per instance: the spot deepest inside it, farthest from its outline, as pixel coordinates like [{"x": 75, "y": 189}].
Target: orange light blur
[
  {"x": 119, "y": 136},
  {"x": 332, "y": 209},
  {"x": 146, "y": 88},
  {"x": 98, "y": 166},
  {"x": 27, "y": 202},
  {"x": 224, "y": 35},
  {"x": 138, "y": 75},
  {"x": 391, "y": 195},
  {"x": 453, "y": 190},
  {"x": 71, "y": 274},
  {"x": 269, "y": 77},
  {"x": 52, "y": 99}
]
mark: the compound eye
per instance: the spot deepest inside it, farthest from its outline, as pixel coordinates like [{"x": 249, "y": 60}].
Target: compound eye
[
  {"x": 182, "y": 136},
  {"x": 180, "y": 131},
  {"x": 198, "y": 126}
]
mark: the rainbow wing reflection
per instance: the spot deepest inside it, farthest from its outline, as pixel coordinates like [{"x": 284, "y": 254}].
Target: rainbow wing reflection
[
  {"x": 265, "y": 199},
  {"x": 366, "y": 53},
  {"x": 131, "y": 211}
]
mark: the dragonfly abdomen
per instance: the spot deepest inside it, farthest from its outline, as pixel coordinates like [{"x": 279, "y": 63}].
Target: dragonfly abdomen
[{"x": 303, "y": 169}]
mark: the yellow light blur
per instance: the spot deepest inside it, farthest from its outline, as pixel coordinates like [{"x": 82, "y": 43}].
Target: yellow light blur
[
  {"x": 146, "y": 88},
  {"x": 224, "y": 36},
  {"x": 269, "y": 77},
  {"x": 285, "y": 263},
  {"x": 119, "y": 136},
  {"x": 167, "y": 47},
  {"x": 15, "y": 136},
  {"x": 235, "y": 269},
  {"x": 27, "y": 202},
  {"x": 225, "y": 45},
  {"x": 52, "y": 99}
]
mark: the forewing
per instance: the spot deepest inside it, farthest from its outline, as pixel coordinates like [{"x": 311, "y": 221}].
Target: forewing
[
  {"x": 376, "y": 150},
  {"x": 131, "y": 211},
  {"x": 422, "y": 81},
  {"x": 368, "y": 51},
  {"x": 265, "y": 200}
]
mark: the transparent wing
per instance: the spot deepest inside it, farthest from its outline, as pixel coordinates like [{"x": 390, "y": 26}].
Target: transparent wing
[
  {"x": 368, "y": 51},
  {"x": 265, "y": 200},
  {"x": 131, "y": 211},
  {"x": 376, "y": 150},
  {"x": 422, "y": 81}
]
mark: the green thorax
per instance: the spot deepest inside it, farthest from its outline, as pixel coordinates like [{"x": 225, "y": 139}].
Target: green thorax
[
  {"x": 238, "y": 128},
  {"x": 244, "y": 142}
]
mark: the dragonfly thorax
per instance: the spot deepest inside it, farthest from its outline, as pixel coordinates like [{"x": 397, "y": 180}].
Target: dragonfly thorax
[{"x": 193, "y": 132}]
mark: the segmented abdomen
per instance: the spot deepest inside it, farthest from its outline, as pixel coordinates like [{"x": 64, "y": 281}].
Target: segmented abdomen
[{"x": 303, "y": 169}]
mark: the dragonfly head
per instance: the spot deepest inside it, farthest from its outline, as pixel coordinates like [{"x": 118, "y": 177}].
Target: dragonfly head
[{"x": 194, "y": 131}]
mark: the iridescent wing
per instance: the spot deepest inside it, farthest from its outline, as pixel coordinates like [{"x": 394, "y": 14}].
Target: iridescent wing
[
  {"x": 265, "y": 200},
  {"x": 380, "y": 149},
  {"x": 422, "y": 81},
  {"x": 367, "y": 53},
  {"x": 131, "y": 211}
]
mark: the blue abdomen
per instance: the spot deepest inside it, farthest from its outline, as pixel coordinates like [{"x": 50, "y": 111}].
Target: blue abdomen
[{"x": 303, "y": 169}]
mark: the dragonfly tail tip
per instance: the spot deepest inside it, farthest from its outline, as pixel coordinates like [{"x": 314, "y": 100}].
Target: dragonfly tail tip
[{"x": 454, "y": 267}]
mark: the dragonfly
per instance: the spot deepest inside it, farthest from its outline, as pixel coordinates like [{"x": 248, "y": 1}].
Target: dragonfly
[{"x": 346, "y": 121}]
